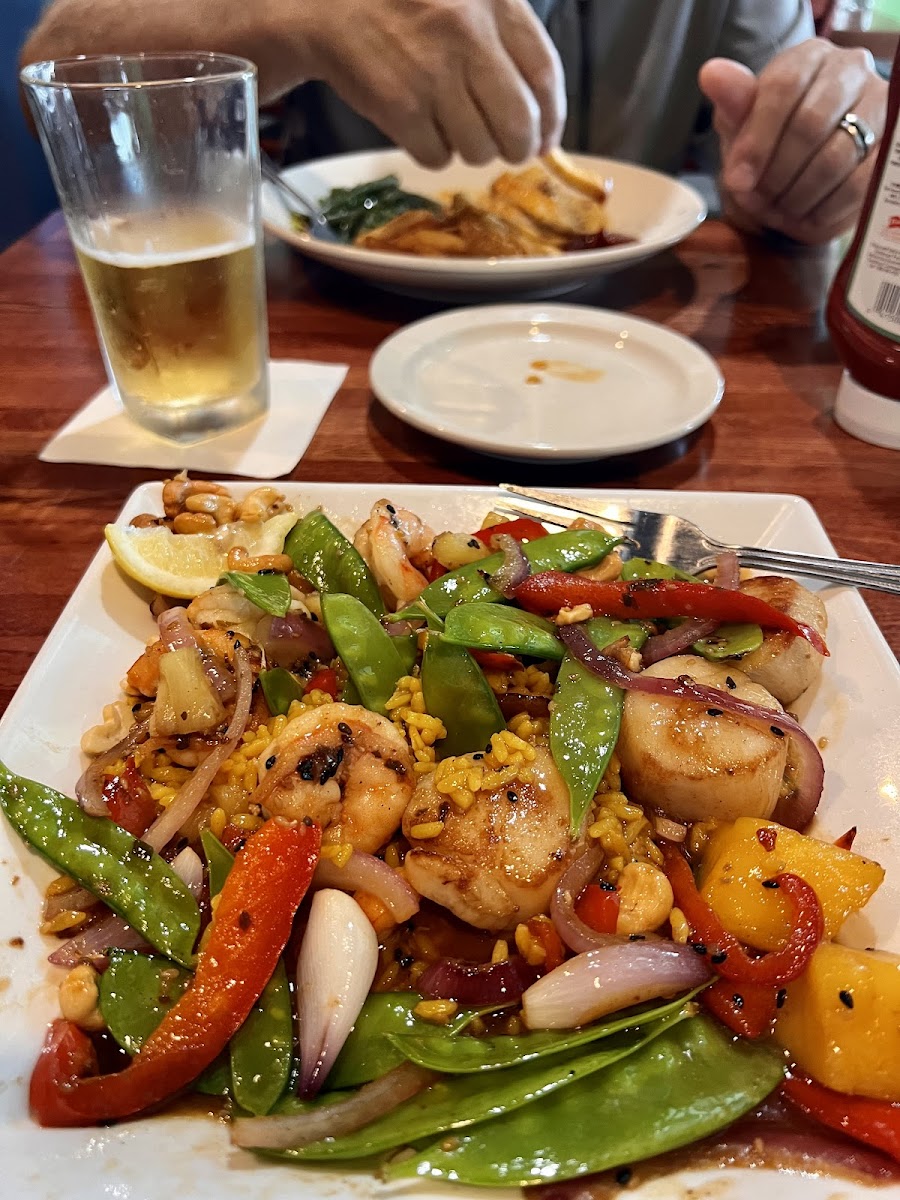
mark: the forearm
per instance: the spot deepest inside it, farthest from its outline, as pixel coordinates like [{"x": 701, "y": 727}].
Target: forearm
[{"x": 254, "y": 29}]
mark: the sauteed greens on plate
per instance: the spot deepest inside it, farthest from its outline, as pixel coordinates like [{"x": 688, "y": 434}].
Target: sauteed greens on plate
[{"x": 421, "y": 850}]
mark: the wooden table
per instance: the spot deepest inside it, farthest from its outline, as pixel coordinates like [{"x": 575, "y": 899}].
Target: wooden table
[{"x": 756, "y": 307}]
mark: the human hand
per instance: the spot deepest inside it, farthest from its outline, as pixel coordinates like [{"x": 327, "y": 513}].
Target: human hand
[
  {"x": 480, "y": 78},
  {"x": 786, "y": 164}
]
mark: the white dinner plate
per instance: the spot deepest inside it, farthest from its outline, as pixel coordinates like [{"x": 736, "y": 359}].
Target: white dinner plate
[
  {"x": 552, "y": 381},
  {"x": 653, "y": 209},
  {"x": 854, "y": 712}
]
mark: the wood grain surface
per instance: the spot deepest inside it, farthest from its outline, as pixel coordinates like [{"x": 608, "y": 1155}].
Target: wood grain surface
[{"x": 756, "y": 307}]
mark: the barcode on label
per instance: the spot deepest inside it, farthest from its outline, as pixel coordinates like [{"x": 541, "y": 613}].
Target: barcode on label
[{"x": 887, "y": 301}]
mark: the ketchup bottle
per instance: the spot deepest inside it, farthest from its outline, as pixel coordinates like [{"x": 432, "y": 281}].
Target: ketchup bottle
[{"x": 864, "y": 304}]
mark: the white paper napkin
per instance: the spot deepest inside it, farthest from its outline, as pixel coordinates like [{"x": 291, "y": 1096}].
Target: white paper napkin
[{"x": 299, "y": 396}]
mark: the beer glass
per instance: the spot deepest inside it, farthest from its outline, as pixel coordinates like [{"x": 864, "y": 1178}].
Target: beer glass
[{"x": 155, "y": 158}]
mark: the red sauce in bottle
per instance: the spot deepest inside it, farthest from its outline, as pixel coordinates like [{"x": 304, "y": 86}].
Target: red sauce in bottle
[{"x": 864, "y": 305}]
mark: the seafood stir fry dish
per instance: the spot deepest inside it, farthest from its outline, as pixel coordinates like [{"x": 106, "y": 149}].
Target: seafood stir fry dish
[
  {"x": 549, "y": 207},
  {"x": 478, "y": 856}
]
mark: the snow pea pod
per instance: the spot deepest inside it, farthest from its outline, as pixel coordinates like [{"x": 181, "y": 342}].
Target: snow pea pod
[
  {"x": 647, "y": 568},
  {"x": 366, "y": 649},
  {"x": 367, "y": 1052},
  {"x": 585, "y": 718},
  {"x": 271, "y": 593},
  {"x": 261, "y": 1050},
  {"x": 457, "y": 692},
  {"x": 685, "y": 1084},
  {"x": 136, "y": 991},
  {"x": 111, "y": 863},
  {"x": 433, "y": 1048},
  {"x": 730, "y": 641},
  {"x": 280, "y": 689},
  {"x": 463, "y": 1100},
  {"x": 483, "y": 626},
  {"x": 325, "y": 558},
  {"x": 566, "y": 551}
]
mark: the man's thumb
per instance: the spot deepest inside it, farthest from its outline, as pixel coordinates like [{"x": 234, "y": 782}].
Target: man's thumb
[{"x": 731, "y": 88}]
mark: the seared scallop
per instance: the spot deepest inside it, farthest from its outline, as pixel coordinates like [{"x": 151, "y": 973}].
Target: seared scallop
[
  {"x": 784, "y": 664},
  {"x": 695, "y": 761}
]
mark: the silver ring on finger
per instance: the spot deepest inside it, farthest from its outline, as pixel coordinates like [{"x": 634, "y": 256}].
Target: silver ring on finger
[{"x": 862, "y": 133}]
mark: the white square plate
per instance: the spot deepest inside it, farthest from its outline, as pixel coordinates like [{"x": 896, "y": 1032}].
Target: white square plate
[{"x": 854, "y": 711}]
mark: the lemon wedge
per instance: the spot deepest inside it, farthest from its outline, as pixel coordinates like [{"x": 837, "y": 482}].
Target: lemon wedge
[{"x": 186, "y": 564}]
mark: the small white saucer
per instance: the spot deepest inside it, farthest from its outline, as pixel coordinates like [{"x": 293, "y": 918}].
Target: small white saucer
[{"x": 546, "y": 381}]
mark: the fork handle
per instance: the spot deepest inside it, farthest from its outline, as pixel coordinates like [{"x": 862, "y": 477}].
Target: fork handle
[{"x": 880, "y": 577}]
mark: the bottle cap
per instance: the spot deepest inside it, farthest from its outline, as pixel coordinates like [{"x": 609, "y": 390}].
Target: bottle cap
[{"x": 866, "y": 415}]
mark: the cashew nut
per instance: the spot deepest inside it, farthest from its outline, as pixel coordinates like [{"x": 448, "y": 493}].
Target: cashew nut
[
  {"x": 645, "y": 898},
  {"x": 117, "y": 720},
  {"x": 79, "y": 997}
]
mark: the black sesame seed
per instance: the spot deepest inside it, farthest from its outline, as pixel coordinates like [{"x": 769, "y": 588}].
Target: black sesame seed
[
  {"x": 714, "y": 712},
  {"x": 718, "y": 957},
  {"x": 623, "y": 1176},
  {"x": 636, "y": 937},
  {"x": 605, "y": 885},
  {"x": 270, "y": 762},
  {"x": 478, "y": 755},
  {"x": 780, "y": 998},
  {"x": 729, "y": 682},
  {"x": 628, "y": 601},
  {"x": 771, "y": 883},
  {"x": 268, "y": 571},
  {"x": 512, "y": 797},
  {"x": 184, "y": 715},
  {"x": 474, "y": 543},
  {"x": 846, "y": 998},
  {"x": 391, "y": 509},
  {"x": 737, "y": 1000},
  {"x": 698, "y": 947},
  {"x": 778, "y": 732}
]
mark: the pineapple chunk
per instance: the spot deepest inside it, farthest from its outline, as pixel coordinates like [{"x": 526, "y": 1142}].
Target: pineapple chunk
[
  {"x": 736, "y": 863},
  {"x": 841, "y": 1021}
]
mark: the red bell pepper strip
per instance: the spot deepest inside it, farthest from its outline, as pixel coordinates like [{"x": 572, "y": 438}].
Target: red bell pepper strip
[
  {"x": 875, "y": 1122},
  {"x": 496, "y": 660},
  {"x": 726, "y": 954},
  {"x": 129, "y": 801},
  {"x": 543, "y": 930},
  {"x": 524, "y": 529},
  {"x": 748, "y": 1012},
  {"x": 599, "y": 908},
  {"x": 250, "y": 928},
  {"x": 324, "y": 680},
  {"x": 647, "y": 599}
]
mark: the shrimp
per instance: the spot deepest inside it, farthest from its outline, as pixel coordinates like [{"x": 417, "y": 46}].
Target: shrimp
[
  {"x": 345, "y": 767},
  {"x": 390, "y": 541},
  {"x": 498, "y": 862},
  {"x": 698, "y": 763}
]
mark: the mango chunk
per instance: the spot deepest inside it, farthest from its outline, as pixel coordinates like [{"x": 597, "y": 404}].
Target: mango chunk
[
  {"x": 738, "y": 860},
  {"x": 841, "y": 1021}
]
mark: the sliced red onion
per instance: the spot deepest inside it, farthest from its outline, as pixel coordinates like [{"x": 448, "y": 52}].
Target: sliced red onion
[
  {"x": 175, "y": 630},
  {"x": 728, "y": 571},
  {"x": 373, "y": 1100},
  {"x": 608, "y": 979},
  {"x": 335, "y": 969},
  {"x": 290, "y": 640},
  {"x": 400, "y": 628},
  {"x": 514, "y": 569},
  {"x": 798, "y": 809},
  {"x": 189, "y": 869},
  {"x": 92, "y": 944},
  {"x": 218, "y": 675},
  {"x": 364, "y": 872},
  {"x": 669, "y": 830},
  {"x": 89, "y": 788},
  {"x": 676, "y": 640},
  {"x": 574, "y": 932},
  {"x": 76, "y": 899},
  {"x": 194, "y": 789},
  {"x": 477, "y": 984}
]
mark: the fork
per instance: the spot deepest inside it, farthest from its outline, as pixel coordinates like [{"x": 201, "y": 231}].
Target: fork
[
  {"x": 292, "y": 200},
  {"x": 675, "y": 540}
]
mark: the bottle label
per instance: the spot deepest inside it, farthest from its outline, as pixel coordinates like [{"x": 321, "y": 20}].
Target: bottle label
[{"x": 873, "y": 293}]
